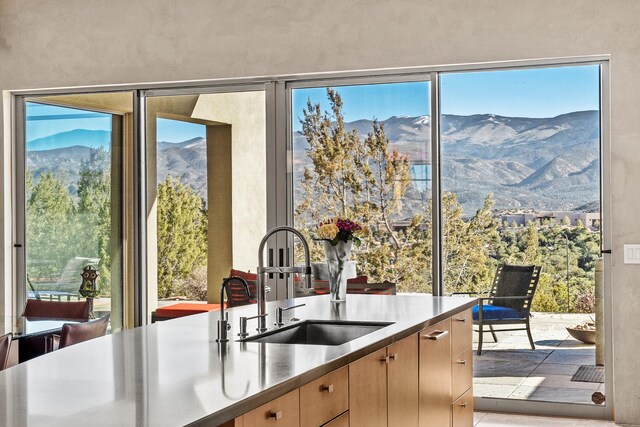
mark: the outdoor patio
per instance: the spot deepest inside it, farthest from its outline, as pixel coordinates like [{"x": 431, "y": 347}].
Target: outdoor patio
[{"x": 510, "y": 369}]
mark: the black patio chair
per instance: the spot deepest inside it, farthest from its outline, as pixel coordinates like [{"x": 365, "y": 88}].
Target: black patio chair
[{"x": 508, "y": 302}]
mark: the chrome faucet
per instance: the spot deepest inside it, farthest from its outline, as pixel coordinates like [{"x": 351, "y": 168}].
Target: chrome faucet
[
  {"x": 223, "y": 323},
  {"x": 262, "y": 271}
]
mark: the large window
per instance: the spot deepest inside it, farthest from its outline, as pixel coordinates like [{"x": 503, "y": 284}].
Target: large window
[
  {"x": 72, "y": 202},
  {"x": 364, "y": 152},
  {"x": 206, "y": 192},
  {"x": 520, "y": 168}
]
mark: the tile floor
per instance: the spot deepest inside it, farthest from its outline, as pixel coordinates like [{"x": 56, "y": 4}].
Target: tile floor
[
  {"x": 510, "y": 369},
  {"x": 485, "y": 419}
]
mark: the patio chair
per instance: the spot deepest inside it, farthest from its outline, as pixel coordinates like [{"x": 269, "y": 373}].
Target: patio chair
[
  {"x": 508, "y": 302},
  {"x": 66, "y": 285},
  {"x": 8, "y": 351},
  {"x": 74, "y": 333},
  {"x": 56, "y": 309},
  {"x": 237, "y": 292}
]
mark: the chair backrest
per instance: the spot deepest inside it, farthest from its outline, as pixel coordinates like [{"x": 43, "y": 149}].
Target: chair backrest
[
  {"x": 237, "y": 293},
  {"x": 57, "y": 309},
  {"x": 6, "y": 342},
  {"x": 73, "y": 333},
  {"x": 515, "y": 280}
]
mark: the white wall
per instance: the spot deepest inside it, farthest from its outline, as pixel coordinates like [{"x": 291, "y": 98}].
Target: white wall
[{"x": 76, "y": 42}]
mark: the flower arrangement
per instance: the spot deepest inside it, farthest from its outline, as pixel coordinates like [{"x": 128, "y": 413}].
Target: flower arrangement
[{"x": 340, "y": 229}]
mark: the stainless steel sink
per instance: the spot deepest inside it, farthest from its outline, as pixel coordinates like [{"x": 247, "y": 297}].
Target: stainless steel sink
[{"x": 318, "y": 332}]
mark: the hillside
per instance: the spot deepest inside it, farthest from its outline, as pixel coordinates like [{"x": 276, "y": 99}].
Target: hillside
[{"x": 541, "y": 163}]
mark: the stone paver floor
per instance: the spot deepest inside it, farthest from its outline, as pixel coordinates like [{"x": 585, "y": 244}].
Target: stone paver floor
[{"x": 510, "y": 369}]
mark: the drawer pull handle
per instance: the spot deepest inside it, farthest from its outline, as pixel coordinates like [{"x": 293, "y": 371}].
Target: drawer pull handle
[
  {"x": 462, "y": 362},
  {"x": 461, "y": 319},
  {"x": 277, "y": 415},
  {"x": 394, "y": 356},
  {"x": 437, "y": 335},
  {"x": 385, "y": 359},
  {"x": 463, "y": 404},
  {"x": 328, "y": 388}
]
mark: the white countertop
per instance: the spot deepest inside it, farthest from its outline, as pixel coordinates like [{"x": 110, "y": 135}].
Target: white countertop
[{"x": 173, "y": 373}]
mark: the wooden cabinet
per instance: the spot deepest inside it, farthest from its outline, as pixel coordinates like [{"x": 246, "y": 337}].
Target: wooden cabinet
[
  {"x": 383, "y": 387},
  {"x": 435, "y": 375},
  {"x": 446, "y": 373},
  {"x": 325, "y": 398},
  {"x": 461, "y": 373},
  {"x": 462, "y": 410},
  {"x": 402, "y": 382},
  {"x": 341, "y": 421},
  {"x": 462, "y": 369},
  {"x": 368, "y": 390},
  {"x": 281, "y": 412},
  {"x": 461, "y": 332},
  {"x": 423, "y": 380}
]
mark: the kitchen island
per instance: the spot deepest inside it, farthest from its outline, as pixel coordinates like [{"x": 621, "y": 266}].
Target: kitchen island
[{"x": 174, "y": 373}]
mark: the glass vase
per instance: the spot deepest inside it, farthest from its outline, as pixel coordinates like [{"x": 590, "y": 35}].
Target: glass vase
[{"x": 337, "y": 257}]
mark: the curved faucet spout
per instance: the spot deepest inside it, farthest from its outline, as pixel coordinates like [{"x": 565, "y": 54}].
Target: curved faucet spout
[
  {"x": 223, "y": 323},
  {"x": 262, "y": 270}
]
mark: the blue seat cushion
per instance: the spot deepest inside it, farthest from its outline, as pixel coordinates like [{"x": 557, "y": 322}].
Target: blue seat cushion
[{"x": 495, "y": 312}]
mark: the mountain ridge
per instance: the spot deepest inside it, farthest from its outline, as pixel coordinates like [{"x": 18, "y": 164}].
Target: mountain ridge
[{"x": 546, "y": 163}]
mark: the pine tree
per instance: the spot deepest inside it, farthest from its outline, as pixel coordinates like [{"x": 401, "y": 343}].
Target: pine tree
[
  {"x": 51, "y": 232},
  {"x": 94, "y": 211},
  {"x": 182, "y": 234}
]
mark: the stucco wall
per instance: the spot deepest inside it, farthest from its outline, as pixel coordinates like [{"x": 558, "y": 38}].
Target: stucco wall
[{"x": 75, "y": 42}]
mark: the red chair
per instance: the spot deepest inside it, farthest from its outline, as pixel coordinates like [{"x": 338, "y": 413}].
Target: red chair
[
  {"x": 237, "y": 292},
  {"x": 57, "y": 309},
  {"x": 74, "y": 333},
  {"x": 8, "y": 352}
]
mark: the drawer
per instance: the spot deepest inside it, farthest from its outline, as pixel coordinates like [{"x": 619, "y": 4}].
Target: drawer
[
  {"x": 325, "y": 398},
  {"x": 341, "y": 421},
  {"x": 461, "y": 331},
  {"x": 463, "y": 410},
  {"x": 461, "y": 373},
  {"x": 281, "y": 412},
  {"x": 435, "y": 376}
]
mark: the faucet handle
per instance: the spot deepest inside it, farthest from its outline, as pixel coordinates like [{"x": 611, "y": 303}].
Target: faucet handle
[
  {"x": 280, "y": 311},
  {"x": 243, "y": 324}
]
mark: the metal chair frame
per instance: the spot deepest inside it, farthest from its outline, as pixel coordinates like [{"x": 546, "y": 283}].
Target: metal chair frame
[{"x": 525, "y": 307}]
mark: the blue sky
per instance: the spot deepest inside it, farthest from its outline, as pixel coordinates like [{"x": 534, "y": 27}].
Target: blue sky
[
  {"x": 177, "y": 131},
  {"x": 45, "y": 120},
  {"x": 537, "y": 92},
  {"x": 379, "y": 101}
]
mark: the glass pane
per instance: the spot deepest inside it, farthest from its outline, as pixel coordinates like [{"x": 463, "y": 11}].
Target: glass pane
[
  {"x": 521, "y": 185},
  {"x": 364, "y": 153},
  {"x": 206, "y": 193},
  {"x": 72, "y": 198}
]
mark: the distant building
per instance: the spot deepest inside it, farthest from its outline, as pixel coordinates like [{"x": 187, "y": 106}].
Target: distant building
[{"x": 589, "y": 219}]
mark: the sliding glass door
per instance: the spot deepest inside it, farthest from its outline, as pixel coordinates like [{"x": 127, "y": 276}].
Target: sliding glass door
[
  {"x": 72, "y": 202},
  {"x": 363, "y": 152},
  {"x": 521, "y": 185},
  {"x": 206, "y": 192}
]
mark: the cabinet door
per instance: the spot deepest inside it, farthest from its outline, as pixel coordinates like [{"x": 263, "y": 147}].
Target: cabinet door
[
  {"x": 463, "y": 410},
  {"x": 461, "y": 373},
  {"x": 325, "y": 398},
  {"x": 281, "y": 412},
  {"x": 341, "y": 421},
  {"x": 461, "y": 332},
  {"x": 402, "y": 382},
  {"x": 435, "y": 375},
  {"x": 368, "y": 390}
]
